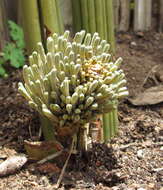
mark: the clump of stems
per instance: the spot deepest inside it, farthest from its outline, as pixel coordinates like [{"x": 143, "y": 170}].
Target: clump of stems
[{"x": 73, "y": 83}]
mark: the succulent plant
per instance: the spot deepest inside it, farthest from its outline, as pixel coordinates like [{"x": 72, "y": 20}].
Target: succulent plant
[{"x": 74, "y": 81}]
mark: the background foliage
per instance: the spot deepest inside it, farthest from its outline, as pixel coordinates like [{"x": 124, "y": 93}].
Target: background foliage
[{"x": 13, "y": 52}]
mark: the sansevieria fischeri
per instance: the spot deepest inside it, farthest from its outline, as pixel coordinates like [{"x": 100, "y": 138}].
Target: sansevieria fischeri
[{"x": 74, "y": 81}]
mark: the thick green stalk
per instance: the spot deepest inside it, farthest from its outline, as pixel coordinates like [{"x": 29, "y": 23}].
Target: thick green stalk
[
  {"x": 49, "y": 15},
  {"x": 99, "y": 17},
  {"x": 111, "y": 117},
  {"x": 111, "y": 121},
  {"x": 81, "y": 144},
  {"x": 105, "y": 19},
  {"x": 110, "y": 24},
  {"x": 91, "y": 16},
  {"x": 76, "y": 11},
  {"x": 59, "y": 17},
  {"x": 30, "y": 21},
  {"x": 115, "y": 120},
  {"x": 47, "y": 128},
  {"x": 3, "y": 26},
  {"x": 110, "y": 124},
  {"x": 106, "y": 127},
  {"x": 84, "y": 11}
]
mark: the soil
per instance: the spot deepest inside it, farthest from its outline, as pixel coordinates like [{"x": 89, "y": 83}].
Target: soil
[{"x": 131, "y": 161}]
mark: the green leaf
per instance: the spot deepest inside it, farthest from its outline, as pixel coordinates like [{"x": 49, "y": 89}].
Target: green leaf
[
  {"x": 1, "y": 61},
  {"x": 13, "y": 51},
  {"x": 16, "y": 34},
  {"x": 2, "y": 70},
  {"x": 18, "y": 59},
  {"x": 8, "y": 51},
  {"x": 14, "y": 55}
]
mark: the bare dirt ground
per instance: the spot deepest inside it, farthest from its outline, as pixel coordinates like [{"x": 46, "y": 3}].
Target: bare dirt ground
[{"x": 132, "y": 161}]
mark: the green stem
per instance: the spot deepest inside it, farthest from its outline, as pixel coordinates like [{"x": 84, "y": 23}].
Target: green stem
[
  {"x": 91, "y": 16},
  {"x": 110, "y": 24},
  {"x": 3, "y": 26},
  {"x": 47, "y": 128},
  {"x": 105, "y": 21},
  {"x": 50, "y": 18},
  {"x": 76, "y": 11},
  {"x": 110, "y": 120},
  {"x": 31, "y": 24},
  {"x": 41, "y": 25},
  {"x": 59, "y": 17},
  {"x": 106, "y": 127},
  {"x": 110, "y": 124},
  {"x": 115, "y": 120},
  {"x": 99, "y": 17},
  {"x": 84, "y": 11},
  {"x": 82, "y": 138}
]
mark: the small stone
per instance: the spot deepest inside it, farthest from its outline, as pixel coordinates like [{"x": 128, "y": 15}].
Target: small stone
[
  {"x": 140, "y": 154},
  {"x": 141, "y": 188},
  {"x": 133, "y": 186},
  {"x": 151, "y": 185},
  {"x": 133, "y": 43},
  {"x": 115, "y": 188},
  {"x": 140, "y": 34}
]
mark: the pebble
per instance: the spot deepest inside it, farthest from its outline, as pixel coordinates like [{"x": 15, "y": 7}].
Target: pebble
[
  {"x": 141, "y": 188},
  {"x": 115, "y": 188},
  {"x": 133, "y": 43},
  {"x": 140, "y": 154}
]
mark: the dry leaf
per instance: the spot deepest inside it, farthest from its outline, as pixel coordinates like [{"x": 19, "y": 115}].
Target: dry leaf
[
  {"x": 151, "y": 96},
  {"x": 39, "y": 150}
]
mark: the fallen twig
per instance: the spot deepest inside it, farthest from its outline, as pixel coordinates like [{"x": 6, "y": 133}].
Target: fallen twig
[
  {"x": 148, "y": 75},
  {"x": 12, "y": 164},
  {"x": 158, "y": 143},
  {"x": 158, "y": 169},
  {"x": 65, "y": 165},
  {"x": 123, "y": 147},
  {"x": 50, "y": 157}
]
